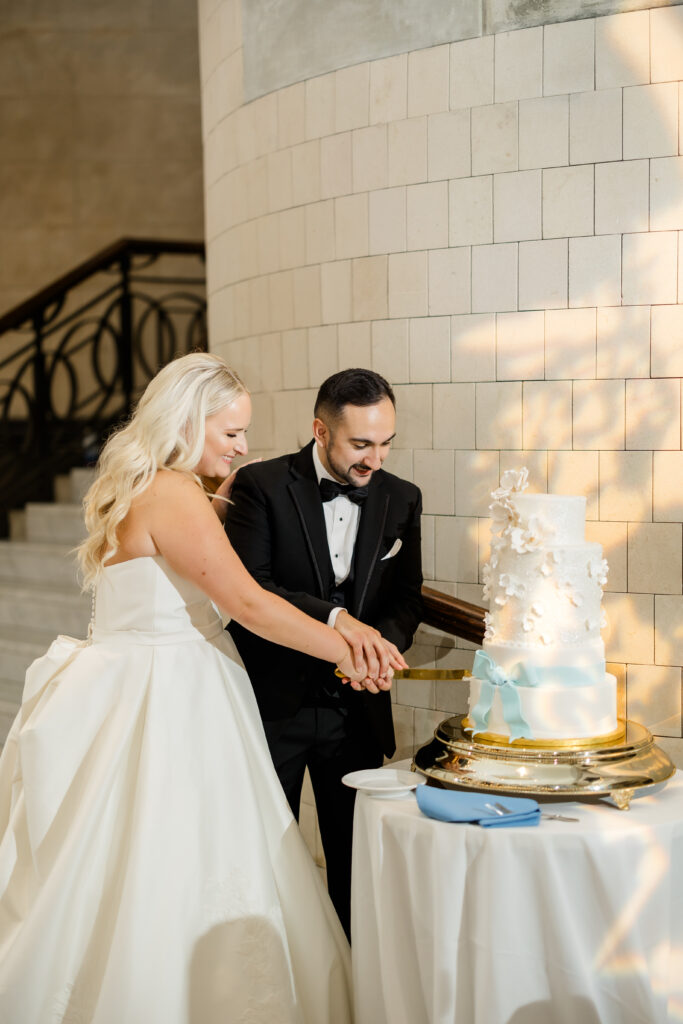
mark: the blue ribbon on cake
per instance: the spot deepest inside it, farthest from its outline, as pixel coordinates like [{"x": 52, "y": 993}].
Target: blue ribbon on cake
[{"x": 494, "y": 678}]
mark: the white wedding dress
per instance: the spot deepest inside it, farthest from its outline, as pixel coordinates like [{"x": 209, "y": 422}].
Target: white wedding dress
[{"x": 150, "y": 868}]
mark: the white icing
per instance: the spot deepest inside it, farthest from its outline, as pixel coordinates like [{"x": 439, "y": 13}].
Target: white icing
[
  {"x": 558, "y": 712},
  {"x": 548, "y": 591},
  {"x": 544, "y": 586},
  {"x": 564, "y": 516},
  {"x": 587, "y": 659}
]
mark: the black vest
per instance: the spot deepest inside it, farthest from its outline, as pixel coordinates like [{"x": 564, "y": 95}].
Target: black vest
[{"x": 332, "y": 693}]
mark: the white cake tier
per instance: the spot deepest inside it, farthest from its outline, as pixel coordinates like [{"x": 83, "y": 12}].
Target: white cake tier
[
  {"x": 557, "y": 712},
  {"x": 586, "y": 660},
  {"x": 564, "y": 517},
  {"x": 547, "y": 596}
]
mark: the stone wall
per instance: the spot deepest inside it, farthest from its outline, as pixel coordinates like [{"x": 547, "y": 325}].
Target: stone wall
[
  {"x": 287, "y": 41},
  {"x": 100, "y": 132},
  {"x": 494, "y": 224}
]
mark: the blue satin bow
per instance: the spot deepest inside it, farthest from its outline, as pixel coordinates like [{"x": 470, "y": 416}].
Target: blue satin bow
[{"x": 493, "y": 678}]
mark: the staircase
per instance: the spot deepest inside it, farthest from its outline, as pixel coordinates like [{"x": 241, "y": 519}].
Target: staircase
[
  {"x": 39, "y": 593},
  {"x": 75, "y": 357}
]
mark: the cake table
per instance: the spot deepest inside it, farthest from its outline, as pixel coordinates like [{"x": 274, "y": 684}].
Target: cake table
[{"x": 556, "y": 924}]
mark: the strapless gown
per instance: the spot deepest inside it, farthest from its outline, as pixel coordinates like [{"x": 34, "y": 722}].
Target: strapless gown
[{"x": 151, "y": 871}]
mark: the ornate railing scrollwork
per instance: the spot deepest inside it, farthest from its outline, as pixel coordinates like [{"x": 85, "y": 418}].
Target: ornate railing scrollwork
[{"x": 75, "y": 357}]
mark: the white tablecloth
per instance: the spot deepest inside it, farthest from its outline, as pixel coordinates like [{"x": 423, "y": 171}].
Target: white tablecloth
[{"x": 557, "y": 924}]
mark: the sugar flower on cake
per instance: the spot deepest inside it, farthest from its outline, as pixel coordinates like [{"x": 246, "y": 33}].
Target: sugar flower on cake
[
  {"x": 548, "y": 565},
  {"x": 512, "y": 481},
  {"x": 490, "y": 629},
  {"x": 503, "y": 515},
  {"x": 529, "y": 538},
  {"x": 486, "y": 571},
  {"x": 502, "y": 509},
  {"x": 530, "y": 620},
  {"x": 574, "y": 596},
  {"x": 597, "y": 570},
  {"x": 512, "y": 585}
]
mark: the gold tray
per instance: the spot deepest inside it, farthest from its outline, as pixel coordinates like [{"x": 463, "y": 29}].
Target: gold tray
[{"x": 627, "y": 762}]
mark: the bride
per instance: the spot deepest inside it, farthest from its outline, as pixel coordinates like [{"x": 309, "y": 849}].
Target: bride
[{"x": 150, "y": 869}]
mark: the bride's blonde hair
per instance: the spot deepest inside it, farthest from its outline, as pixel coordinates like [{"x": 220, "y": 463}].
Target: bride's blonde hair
[{"x": 166, "y": 431}]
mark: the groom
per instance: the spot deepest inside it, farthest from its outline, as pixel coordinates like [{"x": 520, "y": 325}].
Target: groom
[{"x": 329, "y": 530}]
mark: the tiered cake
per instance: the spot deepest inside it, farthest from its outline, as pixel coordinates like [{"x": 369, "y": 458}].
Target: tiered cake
[{"x": 540, "y": 675}]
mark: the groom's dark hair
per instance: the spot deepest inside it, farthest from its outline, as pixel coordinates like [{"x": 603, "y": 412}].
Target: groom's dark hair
[{"x": 351, "y": 387}]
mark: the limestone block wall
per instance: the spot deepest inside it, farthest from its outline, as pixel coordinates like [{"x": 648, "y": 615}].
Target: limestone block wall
[
  {"x": 99, "y": 132},
  {"x": 495, "y": 224}
]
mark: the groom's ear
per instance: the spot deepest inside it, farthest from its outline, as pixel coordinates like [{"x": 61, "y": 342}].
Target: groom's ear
[{"x": 320, "y": 432}]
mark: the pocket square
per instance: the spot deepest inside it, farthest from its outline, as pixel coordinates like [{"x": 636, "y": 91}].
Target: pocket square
[
  {"x": 453, "y": 805},
  {"x": 393, "y": 550}
]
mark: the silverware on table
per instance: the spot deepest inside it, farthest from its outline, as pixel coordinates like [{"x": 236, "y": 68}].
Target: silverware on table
[{"x": 501, "y": 809}]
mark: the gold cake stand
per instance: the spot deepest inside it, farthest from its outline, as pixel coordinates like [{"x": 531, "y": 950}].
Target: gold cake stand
[{"x": 617, "y": 766}]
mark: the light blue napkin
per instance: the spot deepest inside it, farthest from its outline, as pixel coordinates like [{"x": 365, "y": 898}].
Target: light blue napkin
[{"x": 454, "y": 805}]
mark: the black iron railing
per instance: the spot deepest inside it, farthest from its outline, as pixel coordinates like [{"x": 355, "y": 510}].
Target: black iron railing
[{"x": 76, "y": 356}]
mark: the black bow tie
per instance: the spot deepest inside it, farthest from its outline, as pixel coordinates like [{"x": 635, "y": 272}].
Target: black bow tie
[{"x": 330, "y": 489}]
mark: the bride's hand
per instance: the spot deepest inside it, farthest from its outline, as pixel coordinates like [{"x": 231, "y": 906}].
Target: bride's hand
[
  {"x": 222, "y": 493},
  {"x": 360, "y": 680},
  {"x": 350, "y": 672},
  {"x": 379, "y": 684},
  {"x": 376, "y": 685}
]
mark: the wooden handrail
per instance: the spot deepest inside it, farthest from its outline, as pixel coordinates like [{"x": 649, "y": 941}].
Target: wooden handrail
[{"x": 451, "y": 615}]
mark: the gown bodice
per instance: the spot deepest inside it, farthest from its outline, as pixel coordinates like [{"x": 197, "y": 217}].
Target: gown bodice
[{"x": 146, "y": 595}]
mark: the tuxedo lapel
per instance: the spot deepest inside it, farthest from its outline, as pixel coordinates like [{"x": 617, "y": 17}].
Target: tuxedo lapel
[
  {"x": 305, "y": 494},
  {"x": 370, "y": 533}
]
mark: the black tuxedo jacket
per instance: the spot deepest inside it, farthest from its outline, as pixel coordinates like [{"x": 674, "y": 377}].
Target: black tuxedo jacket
[{"x": 277, "y": 527}]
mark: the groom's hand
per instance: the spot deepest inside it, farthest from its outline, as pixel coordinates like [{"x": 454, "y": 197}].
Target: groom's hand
[
  {"x": 220, "y": 499},
  {"x": 381, "y": 657}
]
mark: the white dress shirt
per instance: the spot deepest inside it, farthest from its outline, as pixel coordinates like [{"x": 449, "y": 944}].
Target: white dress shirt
[{"x": 341, "y": 524}]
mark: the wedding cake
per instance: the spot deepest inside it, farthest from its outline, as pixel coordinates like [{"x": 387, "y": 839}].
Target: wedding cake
[{"x": 540, "y": 674}]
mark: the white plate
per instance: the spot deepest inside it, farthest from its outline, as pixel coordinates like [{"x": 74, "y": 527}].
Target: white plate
[{"x": 388, "y": 783}]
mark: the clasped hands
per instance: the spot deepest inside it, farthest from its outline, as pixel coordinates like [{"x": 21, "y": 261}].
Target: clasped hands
[{"x": 372, "y": 660}]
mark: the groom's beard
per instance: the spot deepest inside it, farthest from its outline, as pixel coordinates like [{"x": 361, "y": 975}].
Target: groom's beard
[{"x": 344, "y": 474}]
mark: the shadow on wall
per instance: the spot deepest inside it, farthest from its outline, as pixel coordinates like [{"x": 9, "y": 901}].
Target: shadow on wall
[{"x": 589, "y": 398}]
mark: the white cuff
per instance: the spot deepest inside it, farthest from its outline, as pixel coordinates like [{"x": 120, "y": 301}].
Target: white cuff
[{"x": 332, "y": 617}]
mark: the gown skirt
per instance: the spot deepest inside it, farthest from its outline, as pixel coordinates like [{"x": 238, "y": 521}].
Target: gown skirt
[{"x": 151, "y": 871}]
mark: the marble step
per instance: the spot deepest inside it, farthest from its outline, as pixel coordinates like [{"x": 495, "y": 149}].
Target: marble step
[
  {"x": 54, "y": 523},
  {"x": 19, "y": 646},
  {"x": 80, "y": 479},
  {"x": 50, "y": 609},
  {"x": 53, "y": 565},
  {"x": 10, "y": 694},
  {"x": 17, "y": 524},
  {"x": 70, "y": 488},
  {"x": 8, "y": 713}
]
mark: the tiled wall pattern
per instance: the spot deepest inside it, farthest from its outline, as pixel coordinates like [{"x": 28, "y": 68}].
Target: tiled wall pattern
[
  {"x": 496, "y": 226},
  {"x": 99, "y": 132}
]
